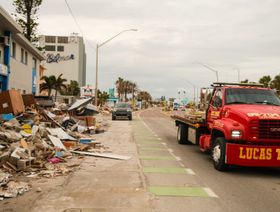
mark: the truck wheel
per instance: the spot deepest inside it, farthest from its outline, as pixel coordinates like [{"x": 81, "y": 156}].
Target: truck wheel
[
  {"x": 182, "y": 134},
  {"x": 219, "y": 153}
]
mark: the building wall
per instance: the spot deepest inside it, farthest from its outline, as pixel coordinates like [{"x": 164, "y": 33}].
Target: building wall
[
  {"x": 16, "y": 71},
  {"x": 21, "y": 72},
  {"x": 70, "y": 62}
]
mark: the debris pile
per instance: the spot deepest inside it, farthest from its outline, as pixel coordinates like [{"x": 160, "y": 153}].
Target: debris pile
[
  {"x": 37, "y": 142},
  {"x": 195, "y": 115}
]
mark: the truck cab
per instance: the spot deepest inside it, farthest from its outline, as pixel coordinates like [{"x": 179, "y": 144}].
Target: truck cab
[{"x": 242, "y": 126}]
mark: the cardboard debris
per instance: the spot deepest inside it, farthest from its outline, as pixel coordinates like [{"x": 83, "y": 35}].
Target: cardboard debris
[
  {"x": 56, "y": 142},
  {"x": 58, "y": 132},
  {"x": 34, "y": 144},
  {"x": 23, "y": 144},
  {"x": 79, "y": 103},
  {"x": 11, "y": 102}
]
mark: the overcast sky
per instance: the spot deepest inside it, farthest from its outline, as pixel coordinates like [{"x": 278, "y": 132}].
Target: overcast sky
[{"x": 173, "y": 37}]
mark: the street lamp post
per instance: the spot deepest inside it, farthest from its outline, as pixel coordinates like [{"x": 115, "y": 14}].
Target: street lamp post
[
  {"x": 211, "y": 69},
  {"x": 97, "y": 49},
  {"x": 194, "y": 88}
]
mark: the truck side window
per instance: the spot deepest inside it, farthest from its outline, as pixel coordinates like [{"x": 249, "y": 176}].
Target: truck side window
[{"x": 218, "y": 99}]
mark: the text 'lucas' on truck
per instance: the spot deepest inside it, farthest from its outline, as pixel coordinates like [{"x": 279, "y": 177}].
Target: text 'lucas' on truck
[{"x": 241, "y": 126}]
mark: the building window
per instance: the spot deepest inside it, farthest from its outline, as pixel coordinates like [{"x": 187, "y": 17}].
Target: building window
[
  {"x": 50, "y": 39},
  {"x": 60, "y": 48},
  {"x": 62, "y": 39},
  {"x": 26, "y": 58},
  {"x": 14, "y": 46},
  {"x": 50, "y": 48},
  {"x": 22, "y": 55}
]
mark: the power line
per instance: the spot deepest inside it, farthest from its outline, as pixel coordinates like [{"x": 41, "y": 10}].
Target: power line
[
  {"x": 73, "y": 16},
  {"x": 77, "y": 23}
]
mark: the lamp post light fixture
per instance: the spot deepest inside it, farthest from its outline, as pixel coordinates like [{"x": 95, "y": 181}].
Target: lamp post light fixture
[
  {"x": 211, "y": 69},
  {"x": 97, "y": 49}
]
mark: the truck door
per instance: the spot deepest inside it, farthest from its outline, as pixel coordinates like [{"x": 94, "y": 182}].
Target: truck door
[{"x": 215, "y": 108}]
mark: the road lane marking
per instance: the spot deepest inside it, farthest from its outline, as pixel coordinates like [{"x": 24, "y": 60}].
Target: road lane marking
[
  {"x": 170, "y": 150},
  {"x": 181, "y": 164},
  {"x": 156, "y": 158},
  {"x": 151, "y": 149},
  {"x": 210, "y": 192},
  {"x": 165, "y": 170},
  {"x": 178, "y": 191},
  {"x": 190, "y": 172}
]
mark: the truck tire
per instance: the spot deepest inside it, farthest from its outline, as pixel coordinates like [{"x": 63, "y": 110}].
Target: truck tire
[
  {"x": 182, "y": 134},
  {"x": 219, "y": 154}
]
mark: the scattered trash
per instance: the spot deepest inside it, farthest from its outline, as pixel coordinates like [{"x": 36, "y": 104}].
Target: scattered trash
[{"x": 38, "y": 138}]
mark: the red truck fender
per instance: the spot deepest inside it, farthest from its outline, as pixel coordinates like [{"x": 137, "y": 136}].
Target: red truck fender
[{"x": 227, "y": 127}]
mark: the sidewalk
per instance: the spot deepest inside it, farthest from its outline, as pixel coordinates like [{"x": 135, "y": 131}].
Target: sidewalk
[{"x": 103, "y": 184}]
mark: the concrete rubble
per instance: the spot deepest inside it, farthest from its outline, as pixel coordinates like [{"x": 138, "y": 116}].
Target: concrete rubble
[{"x": 40, "y": 142}]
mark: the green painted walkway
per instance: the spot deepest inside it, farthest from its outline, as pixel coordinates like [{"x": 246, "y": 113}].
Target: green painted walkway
[{"x": 151, "y": 148}]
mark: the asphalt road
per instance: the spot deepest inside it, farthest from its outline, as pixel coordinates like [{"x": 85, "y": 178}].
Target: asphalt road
[{"x": 239, "y": 189}]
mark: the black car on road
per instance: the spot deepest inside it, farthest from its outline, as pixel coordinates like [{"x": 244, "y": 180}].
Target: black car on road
[{"x": 122, "y": 110}]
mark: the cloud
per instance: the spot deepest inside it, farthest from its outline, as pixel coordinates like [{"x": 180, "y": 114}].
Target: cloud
[{"x": 171, "y": 37}]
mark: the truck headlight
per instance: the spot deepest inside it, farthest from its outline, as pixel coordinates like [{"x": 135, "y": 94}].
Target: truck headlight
[{"x": 236, "y": 134}]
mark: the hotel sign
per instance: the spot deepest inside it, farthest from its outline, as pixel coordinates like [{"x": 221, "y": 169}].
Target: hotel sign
[{"x": 56, "y": 58}]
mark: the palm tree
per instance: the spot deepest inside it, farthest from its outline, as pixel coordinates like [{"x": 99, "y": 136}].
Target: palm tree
[
  {"x": 144, "y": 95},
  {"x": 102, "y": 97},
  {"x": 48, "y": 84},
  {"x": 275, "y": 83},
  {"x": 265, "y": 80},
  {"x": 73, "y": 88},
  {"x": 134, "y": 88},
  {"x": 127, "y": 88},
  {"x": 59, "y": 85},
  {"x": 120, "y": 87}
]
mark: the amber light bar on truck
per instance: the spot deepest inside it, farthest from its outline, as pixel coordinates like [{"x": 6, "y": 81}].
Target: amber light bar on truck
[{"x": 221, "y": 84}]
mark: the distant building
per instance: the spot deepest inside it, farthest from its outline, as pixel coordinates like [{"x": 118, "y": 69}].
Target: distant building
[
  {"x": 19, "y": 59},
  {"x": 65, "y": 55},
  {"x": 86, "y": 91}
]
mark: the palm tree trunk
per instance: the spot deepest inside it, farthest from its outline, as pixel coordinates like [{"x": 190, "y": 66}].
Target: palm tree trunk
[
  {"x": 49, "y": 92},
  {"x": 55, "y": 95}
]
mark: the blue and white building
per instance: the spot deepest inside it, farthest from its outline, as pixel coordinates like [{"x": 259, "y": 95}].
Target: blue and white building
[{"x": 19, "y": 59}]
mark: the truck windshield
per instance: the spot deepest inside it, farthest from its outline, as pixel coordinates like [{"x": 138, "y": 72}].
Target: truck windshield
[{"x": 251, "y": 96}]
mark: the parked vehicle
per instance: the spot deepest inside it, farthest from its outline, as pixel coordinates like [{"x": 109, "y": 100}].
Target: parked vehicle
[
  {"x": 241, "y": 126},
  {"x": 122, "y": 110}
]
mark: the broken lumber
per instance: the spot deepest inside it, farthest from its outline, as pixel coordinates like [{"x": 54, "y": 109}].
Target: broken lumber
[{"x": 103, "y": 155}]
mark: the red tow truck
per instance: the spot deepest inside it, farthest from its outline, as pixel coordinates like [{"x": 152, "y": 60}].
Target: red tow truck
[{"x": 241, "y": 126}]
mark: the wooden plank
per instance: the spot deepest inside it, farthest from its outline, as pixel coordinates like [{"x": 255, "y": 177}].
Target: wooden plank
[
  {"x": 57, "y": 142},
  {"x": 60, "y": 133},
  {"x": 103, "y": 155},
  {"x": 11, "y": 165},
  {"x": 23, "y": 144}
]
